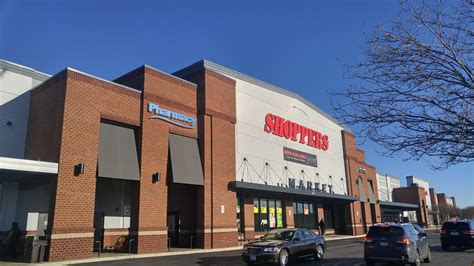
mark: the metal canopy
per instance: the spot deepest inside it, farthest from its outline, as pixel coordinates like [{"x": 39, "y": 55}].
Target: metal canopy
[
  {"x": 118, "y": 156},
  {"x": 371, "y": 193},
  {"x": 260, "y": 188},
  {"x": 185, "y": 161},
  {"x": 398, "y": 205},
  {"x": 362, "y": 195}
]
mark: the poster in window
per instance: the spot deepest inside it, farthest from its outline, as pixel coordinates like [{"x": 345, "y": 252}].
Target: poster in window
[
  {"x": 306, "y": 211},
  {"x": 279, "y": 218},
  {"x": 272, "y": 220},
  {"x": 263, "y": 209},
  {"x": 255, "y": 209}
]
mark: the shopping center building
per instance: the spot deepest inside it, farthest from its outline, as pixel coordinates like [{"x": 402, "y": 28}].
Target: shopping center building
[{"x": 201, "y": 158}]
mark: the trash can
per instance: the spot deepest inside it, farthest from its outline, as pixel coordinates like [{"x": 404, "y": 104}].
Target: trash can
[
  {"x": 43, "y": 244},
  {"x": 32, "y": 249}
]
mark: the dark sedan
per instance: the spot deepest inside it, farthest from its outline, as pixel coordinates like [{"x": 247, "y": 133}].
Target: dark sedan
[{"x": 283, "y": 245}]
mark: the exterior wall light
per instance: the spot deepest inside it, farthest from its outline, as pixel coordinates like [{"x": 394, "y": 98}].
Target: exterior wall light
[
  {"x": 78, "y": 169},
  {"x": 155, "y": 177}
]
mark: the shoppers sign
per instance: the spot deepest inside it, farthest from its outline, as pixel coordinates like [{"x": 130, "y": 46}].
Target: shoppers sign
[
  {"x": 300, "y": 157},
  {"x": 171, "y": 117},
  {"x": 290, "y": 130}
]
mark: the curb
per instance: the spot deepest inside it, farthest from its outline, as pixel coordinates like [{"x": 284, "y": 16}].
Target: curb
[{"x": 164, "y": 254}]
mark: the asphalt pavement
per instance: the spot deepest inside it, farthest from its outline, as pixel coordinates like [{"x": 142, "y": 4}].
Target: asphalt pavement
[{"x": 340, "y": 252}]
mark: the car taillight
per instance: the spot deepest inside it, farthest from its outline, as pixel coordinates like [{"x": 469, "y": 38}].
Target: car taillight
[
  {"x": 468, "y": 232},
  {"x": 443, "y": 231},
  {"x": 404, "y": 240},
  {"x": 368, "y": 240}
]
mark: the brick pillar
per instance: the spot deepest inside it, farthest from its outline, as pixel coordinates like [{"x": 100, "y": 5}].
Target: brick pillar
[
  {"x": 289, "y": 212},
  {"x": 319, "y": 211},
  {"x": 249, "y": 221}
]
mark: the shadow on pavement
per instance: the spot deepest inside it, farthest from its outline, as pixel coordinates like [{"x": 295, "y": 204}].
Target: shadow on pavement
[
  {"x": 452, "y": 250},
  {"x": 236, "y": 260}
]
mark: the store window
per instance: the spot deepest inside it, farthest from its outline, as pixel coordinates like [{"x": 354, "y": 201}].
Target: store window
[
  {"x": 239, "y": 215},
  {"x": 304, "y": 215},
  {"x": 268, "y": 214}
]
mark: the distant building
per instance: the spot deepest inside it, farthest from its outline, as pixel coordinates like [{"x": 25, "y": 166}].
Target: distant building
[
  {"x": 422, "y": 183},
  {"x": 445, "y": 205},
  {"x": 414, "y": 195},
  {"x": 386, "y": 184},
  {"x": 434, "y": 206},
  {"x": 393, "y": 210}
]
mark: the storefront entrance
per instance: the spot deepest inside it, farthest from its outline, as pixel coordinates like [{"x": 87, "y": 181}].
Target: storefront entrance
[{"x": 182, "y": 215}]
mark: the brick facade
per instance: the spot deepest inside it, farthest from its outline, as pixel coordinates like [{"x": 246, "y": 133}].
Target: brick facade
[
  {"x": 414, "y": 195},
  {"x": 362, "y": 214},
  {"x": 65, "y": 117}
]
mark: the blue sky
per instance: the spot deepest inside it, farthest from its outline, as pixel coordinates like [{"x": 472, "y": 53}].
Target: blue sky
[{"x": 300, "y": 46}]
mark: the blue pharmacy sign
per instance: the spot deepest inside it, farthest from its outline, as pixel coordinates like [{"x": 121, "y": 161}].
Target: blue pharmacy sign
[{"x": 171, "y": 117}]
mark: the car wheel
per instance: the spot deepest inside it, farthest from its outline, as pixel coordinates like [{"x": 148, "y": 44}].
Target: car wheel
[
  {"x": 428, "y": 258},
  {"x": 445, "y": 247},
  {"x": 284, "y": 257},
  {"x": 319, "y": 253},
  {"x": 417, "y": 259},
  {"x": 369, "y": 263}
]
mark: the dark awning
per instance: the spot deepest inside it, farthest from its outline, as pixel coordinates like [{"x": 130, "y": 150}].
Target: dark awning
[
  {"x": 371, "y": 193},
  {"x": 118, "y": 157},
  {"x": 398, "y": 205},
  {"x": 261, "y": 188},
  {"x": 185, "y": 160},
  {"x": 362, "y": 196}
]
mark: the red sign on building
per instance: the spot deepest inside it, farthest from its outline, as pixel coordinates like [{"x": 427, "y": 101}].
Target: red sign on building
[{"x": 290, "y": 130}]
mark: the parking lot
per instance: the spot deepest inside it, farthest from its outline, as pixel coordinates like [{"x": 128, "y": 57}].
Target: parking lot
[{"x": 340, "y": 252}]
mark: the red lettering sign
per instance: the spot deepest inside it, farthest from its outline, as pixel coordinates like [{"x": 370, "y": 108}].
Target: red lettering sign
[{"x": 290, "y": 130}]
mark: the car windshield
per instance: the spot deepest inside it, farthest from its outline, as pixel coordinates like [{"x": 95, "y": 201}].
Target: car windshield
[
  {"x": 279, "y": 235},
  {"x": 385, "y": 231}
]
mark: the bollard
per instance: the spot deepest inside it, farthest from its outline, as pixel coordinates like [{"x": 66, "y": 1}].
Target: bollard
[
  {"x": 100, "y": 247},
  {"x": 169, "y": 244},
  {"x": 130, "y": 245},
  {"x": 191, "y": 244}
]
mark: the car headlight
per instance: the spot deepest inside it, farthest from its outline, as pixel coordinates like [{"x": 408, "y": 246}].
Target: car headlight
[{"x": 272, "y": 249}]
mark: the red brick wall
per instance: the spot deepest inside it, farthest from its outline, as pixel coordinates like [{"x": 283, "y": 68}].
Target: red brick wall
[
  {"x": 216, "y": 104},
  {"x": 413, "y": 195},
  {"x": 75, "y": 106},
  {"x": 354, "y": 157}
]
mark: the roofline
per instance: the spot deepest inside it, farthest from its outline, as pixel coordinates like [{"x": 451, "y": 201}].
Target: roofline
[
  {"x": 389, "y": 175},
  {"x": 206, "y": 64},
  {"x": 101, "y": 79},
  {"x": 24, "y": 70},
  {"x": 170, "y": 75},
  {"x": 419, "y": 178}
]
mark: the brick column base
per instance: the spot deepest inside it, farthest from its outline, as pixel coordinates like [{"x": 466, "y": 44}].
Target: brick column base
[
  {"x": 150, "y": 243},
  {"x": 70, "y": 248}
]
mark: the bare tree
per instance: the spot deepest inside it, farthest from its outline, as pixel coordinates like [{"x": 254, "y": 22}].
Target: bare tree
[{"x": 416, "y": 88}]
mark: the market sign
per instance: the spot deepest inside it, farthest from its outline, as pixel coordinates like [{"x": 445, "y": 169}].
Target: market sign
[
  {"x": 174, "y": 118},
  {"x": 290, "y": 130},
  {"x": 316, "y": 187},
  {"x": 300, "y": 157}
]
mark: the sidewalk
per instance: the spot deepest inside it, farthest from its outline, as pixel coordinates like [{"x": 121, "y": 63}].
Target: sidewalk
[{"x": 173, "y": 252}]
